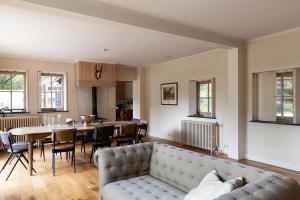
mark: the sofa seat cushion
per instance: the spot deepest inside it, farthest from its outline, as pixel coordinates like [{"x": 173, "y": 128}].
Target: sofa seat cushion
[{"x": 141, "y": 188}]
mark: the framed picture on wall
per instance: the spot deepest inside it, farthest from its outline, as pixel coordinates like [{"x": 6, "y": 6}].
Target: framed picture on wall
[{"x": 169, "y": 93}]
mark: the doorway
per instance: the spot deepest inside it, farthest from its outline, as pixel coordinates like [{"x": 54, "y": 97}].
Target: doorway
[{"x": 124, "y": 100}]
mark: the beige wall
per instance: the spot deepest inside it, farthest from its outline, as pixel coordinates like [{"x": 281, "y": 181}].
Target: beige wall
[
  {"x": 33, "y": 67},
  {"x": 126, "y": 73},
  {"x": 165, "y": 121},
  {"x": 271, "y": 143}
]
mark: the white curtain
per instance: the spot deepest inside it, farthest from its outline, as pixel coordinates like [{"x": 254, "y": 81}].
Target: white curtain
[
  {"x": 192, "y": 98},
  {"x": 266, "y": 96}
]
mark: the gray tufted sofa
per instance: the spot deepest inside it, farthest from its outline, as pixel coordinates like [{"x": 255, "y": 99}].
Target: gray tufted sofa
[{"x": 157, "y": 171}]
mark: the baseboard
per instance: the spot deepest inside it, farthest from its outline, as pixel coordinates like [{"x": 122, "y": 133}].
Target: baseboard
[{"x": 273, "y": 162}]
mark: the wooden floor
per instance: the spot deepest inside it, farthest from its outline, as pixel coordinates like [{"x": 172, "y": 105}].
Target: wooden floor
[
  {"x": 80, "y": 185},
  {"x": 65, "y": 185}
]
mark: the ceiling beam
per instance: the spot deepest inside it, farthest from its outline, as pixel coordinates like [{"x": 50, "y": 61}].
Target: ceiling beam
[{"x": 112, "y": 13}]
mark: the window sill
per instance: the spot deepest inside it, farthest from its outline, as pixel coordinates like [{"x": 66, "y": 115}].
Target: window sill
[
  {"x": 201, "y": 116},
  {"x": 274, "y": 122},
  {"x": 14, "y": 113},
  {"x": 54, "y": 111}
]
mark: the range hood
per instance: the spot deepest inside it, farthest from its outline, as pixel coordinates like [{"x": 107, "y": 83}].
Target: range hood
[{"x": 95, "y": 74}]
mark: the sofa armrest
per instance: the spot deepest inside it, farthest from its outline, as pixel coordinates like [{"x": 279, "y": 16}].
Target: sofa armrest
[
  {"x": 121, "y": 163},
  {"x": 271, "y": 187}
]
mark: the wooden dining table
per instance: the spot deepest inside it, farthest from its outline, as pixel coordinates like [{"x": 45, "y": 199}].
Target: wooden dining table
[{"x": 35, "y": 133}]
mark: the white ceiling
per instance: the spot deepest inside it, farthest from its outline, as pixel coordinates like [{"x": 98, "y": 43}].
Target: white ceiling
[
  {"x": 39, "y": 32},
  {"x": 29, "y": 31},
  {"x": 243, "y": 19}
]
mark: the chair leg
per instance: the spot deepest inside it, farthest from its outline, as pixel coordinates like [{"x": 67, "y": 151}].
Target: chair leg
[
  {"x": 11, "y": 159},
  {"x": 8, "y": 160},
  {"x": 71, "y": 158},
  {"x": 91, "y": 154},
  {"x": 22, "y": 155},
  {"x": 41, "y": 152},
  {"x": 13, "y": 168},
  {"x": 43, "y": 148},
  {"x": 53, "y": 164},
  {"x": 84, "y": 149},
  {"x": 74, "y": 161},
  {"x": 22, "y": 162}
]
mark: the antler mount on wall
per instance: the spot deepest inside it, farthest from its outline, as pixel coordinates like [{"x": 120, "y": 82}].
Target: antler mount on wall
[
  {"x": 98, "y": 70},
  {"x": 95, "y": 74}
]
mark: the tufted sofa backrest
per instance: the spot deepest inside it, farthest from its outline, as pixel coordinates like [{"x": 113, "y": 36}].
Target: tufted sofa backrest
[
  {"x": 121, "y": 163},
  {"x": 185, "y": 169}
]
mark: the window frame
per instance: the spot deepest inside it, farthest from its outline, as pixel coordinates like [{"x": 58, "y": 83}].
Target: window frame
[
  {"x": 282, "y": 118},
  {"x": 209, "y": 98},
  {"x": 11, "y": 73},
  {"x": 64, "y": 92}
]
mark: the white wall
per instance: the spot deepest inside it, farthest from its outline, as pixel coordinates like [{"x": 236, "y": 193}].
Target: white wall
[
  {"x": 165, "y": 120},
  {"x": 271, "y": 143}
]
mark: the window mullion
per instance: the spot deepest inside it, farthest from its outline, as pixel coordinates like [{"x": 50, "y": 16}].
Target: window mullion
[
  {"x": 208, "y": 97},
  {"x": 51, "y": 91}
]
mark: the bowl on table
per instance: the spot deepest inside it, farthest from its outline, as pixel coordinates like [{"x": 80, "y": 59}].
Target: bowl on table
[{"x": 87, "y": 119}]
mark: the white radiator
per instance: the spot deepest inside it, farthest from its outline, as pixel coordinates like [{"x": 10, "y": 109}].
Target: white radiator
[
  {"x": 19, "y": 121},
  {"x": 204, "y": 135}
]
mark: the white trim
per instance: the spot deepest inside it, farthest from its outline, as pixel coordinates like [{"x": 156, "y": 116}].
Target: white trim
[
  {"x": 274, "y": 34},
  {"x": 276, "y": 163}
]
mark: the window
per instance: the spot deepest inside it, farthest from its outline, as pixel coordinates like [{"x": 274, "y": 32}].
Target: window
[
  {"x": 204, "y": 98},
  {"x": 274, "y": 96},
  {"x": 53, "y": 92},
  {"x": 284, "y": 96},
  {"x": 12, "y": 91}
]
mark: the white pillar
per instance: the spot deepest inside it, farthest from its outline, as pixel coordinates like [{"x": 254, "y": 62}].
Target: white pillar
[
  {"x": 234, "y": 126},
  {"x": 139, "y": 94}
]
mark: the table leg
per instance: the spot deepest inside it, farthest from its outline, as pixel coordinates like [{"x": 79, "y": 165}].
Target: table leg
[{"x": 30, "y": 157}]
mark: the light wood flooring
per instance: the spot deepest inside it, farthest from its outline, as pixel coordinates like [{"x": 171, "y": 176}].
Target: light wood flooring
[{"x": 80, "y": 185}]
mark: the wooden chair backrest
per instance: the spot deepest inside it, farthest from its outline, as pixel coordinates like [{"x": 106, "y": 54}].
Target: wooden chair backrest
[
  {"x": 64, "y": 135},
  {"x": 129, "y": 129},
  {"x": 142, "y": 128},
  {"x": 104, "y": 132}
]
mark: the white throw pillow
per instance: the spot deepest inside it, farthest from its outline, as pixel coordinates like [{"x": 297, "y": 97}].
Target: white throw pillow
[{"x": 212, "y": 187}]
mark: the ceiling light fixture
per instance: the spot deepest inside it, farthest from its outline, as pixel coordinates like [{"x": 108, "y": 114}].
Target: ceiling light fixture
[{"x": 104, "y": 49}]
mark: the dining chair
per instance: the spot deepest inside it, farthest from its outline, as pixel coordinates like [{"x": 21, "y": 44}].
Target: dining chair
[
  {"x": 81, "y": 138},
  {"x": 102, "y": 137},
  {"x": 46, "y": 140},
  {"x": 142, "y": 131},
  {"x": 127, "y": 135},
  {"x": 63, "y": 140},
  {"x": 15, "y": 150}
]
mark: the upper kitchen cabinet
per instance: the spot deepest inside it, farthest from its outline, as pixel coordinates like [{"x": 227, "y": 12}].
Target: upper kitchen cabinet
[{"x": 95, "y": 74}]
